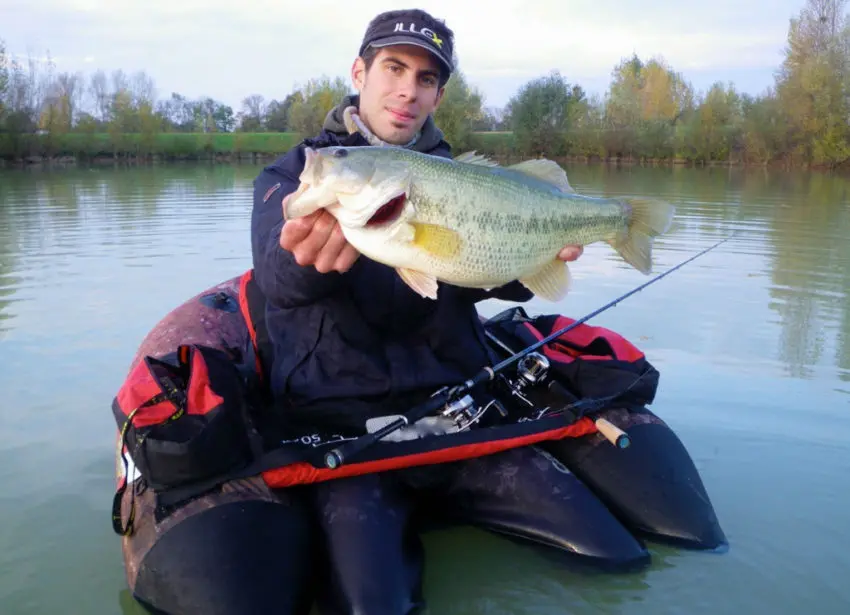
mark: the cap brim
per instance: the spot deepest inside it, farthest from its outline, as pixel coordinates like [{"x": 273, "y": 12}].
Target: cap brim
[{"x": 412, "y": 40}]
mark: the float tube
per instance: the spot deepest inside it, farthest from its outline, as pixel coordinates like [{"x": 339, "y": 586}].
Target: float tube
[{"x": 196, "y": 387}]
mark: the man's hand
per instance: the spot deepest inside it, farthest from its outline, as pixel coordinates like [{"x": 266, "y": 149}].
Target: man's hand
[
  {"x": 318, "y": 240},
  {"x": 570, "y": 253}
]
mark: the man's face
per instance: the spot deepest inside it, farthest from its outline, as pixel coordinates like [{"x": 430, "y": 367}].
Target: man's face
[{"x": 398, "y": 92}]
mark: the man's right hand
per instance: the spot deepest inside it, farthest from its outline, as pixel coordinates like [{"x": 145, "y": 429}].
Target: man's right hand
[{"x": 317, "y": 240}]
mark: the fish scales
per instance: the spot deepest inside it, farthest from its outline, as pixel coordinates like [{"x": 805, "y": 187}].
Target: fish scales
[
  {"x": 508, "y": 224},
  {"x": 468, "y": 221}
]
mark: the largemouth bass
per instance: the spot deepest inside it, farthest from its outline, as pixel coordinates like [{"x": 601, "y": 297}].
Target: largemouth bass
[{"x": 468, "y": 221}]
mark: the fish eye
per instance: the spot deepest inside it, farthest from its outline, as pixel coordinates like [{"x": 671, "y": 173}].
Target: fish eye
[{"x": 340, "y": 153}]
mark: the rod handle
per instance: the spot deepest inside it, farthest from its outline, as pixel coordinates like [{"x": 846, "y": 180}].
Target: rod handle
[{"x": 613, "y": 434}]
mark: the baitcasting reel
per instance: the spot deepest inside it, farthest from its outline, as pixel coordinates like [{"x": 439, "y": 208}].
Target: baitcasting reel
[
  {"x": 532, "y": 371},
  {"x": 533, "y": 368}
]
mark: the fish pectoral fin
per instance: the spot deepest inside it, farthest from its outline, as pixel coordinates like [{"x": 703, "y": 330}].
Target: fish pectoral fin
[
  {"x": 474, "y": 158},
  {"x": 551, "y": 282},
  {"x": 422, "y": 283},
  {"x": 648, "y": 219},
  {"x": 438, "y": 240},
  {"x": 545, "y": 170}
]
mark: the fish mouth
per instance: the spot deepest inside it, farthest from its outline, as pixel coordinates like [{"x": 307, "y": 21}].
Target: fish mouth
[
  {"x": 388, "y": 212},
  {"x": 312, "y": 166},
  {"x": 289, "y": 209}
]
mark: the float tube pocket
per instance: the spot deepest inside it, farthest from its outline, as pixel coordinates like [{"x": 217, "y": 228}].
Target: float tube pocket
[{"x": 184, "y": 420}]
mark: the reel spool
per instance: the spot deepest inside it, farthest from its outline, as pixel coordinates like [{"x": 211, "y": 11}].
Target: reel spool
[{"x": 533, "y": 368}]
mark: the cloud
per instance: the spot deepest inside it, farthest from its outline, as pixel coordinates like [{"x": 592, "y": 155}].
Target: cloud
[{"x": 230, "y": 49}]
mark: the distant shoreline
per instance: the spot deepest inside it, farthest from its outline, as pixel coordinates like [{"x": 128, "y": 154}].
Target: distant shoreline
[
  {"x": 28, "y": 152},
  {"x": 35, "y": 162}
]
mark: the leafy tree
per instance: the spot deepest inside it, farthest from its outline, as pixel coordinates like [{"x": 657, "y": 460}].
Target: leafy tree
[
  {"x": 4, "y": 80},
  {"x": 542, "y": 112},
  {"x": 459, "y": 110},
  {"x": 252, "y": 115},
  {"x": 645, "y": 101},
  {"x": 278, "y": 113},
  {"x": 318, "y": 96},
  {"x": 813, "y": 84}
]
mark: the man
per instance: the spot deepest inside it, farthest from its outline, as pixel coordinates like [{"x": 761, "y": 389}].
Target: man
[
  {"x": 352, "y": 341},
  {"x": 310, "y": 274}
]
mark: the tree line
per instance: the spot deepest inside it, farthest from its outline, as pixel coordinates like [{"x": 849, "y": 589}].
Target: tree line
[{"x": 650, "y": 112}]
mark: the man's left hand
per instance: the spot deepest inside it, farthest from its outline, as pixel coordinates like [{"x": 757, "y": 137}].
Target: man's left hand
[{"x": 570, "y": 253}]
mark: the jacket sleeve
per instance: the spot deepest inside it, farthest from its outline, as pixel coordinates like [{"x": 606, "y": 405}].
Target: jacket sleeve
[
  {"x": 513, "y": 291},
  {"x": 282, "y": 280}
]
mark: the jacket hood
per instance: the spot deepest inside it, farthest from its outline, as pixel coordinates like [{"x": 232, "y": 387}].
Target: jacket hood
[{"x": 429, "y": 137}]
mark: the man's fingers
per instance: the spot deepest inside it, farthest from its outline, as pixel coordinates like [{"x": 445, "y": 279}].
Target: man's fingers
[
  {"x": 570, "y": 253},
  {"x": 346, "y": 258},
  {"x": 326, "y": 259},
  {"x": 308, "y": 249},
  {"x": 296, "y": 231},
  {"x": 317, "y": 240}
]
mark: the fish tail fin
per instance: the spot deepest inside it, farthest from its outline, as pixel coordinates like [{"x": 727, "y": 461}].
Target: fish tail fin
[{"x": 647, "y": 219}]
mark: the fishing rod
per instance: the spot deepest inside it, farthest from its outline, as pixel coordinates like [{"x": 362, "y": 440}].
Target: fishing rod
[{"x": 336, "y": 457}]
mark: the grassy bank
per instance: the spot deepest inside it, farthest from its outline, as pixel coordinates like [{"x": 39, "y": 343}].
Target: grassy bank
[
  {"x": 88, "y": 147},
  {"x": 503, "y": 146},
  {"x": 85, "y": 147}
]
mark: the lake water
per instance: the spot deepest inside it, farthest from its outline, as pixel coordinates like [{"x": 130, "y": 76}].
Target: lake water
[{"x": 752, "y": 341}]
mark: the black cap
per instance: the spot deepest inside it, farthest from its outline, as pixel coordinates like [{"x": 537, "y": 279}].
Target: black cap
[{"x": 411, "y": 27}]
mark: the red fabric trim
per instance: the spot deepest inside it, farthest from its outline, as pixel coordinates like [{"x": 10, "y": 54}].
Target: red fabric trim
[
  {"x": 548, "y": 351},
  {"x": 246, "y": 316},
  {"x": 139, "y": 387},
  {"x": 583, "y": 336},
  {"x": 200, "y": 398},
  {"x": 302, "y": 472}
]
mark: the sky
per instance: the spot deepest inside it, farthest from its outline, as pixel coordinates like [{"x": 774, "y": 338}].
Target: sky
[{"x": 230, "y": 49}]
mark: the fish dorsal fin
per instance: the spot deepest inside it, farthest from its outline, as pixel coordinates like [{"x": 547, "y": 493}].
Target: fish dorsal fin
[
  {"x": 475, "y": 158},
  {"x": 545, "y": 170}
]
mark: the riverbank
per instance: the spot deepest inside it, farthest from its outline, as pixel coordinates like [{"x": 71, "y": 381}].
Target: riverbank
[
  {"x": 28, "y": 150},
  {"x": 104, "y": 149}
]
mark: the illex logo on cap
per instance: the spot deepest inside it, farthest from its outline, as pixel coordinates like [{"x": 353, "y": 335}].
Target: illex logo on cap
[
  {"x": 426, "y": 32},
  {"x": 407, "y": 29}
]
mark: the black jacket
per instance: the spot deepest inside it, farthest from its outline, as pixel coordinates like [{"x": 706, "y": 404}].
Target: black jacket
[{"x": 348, "y": 346}]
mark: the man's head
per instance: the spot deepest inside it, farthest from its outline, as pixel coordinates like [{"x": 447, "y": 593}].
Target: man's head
[{"x": 404, "y": 62}]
